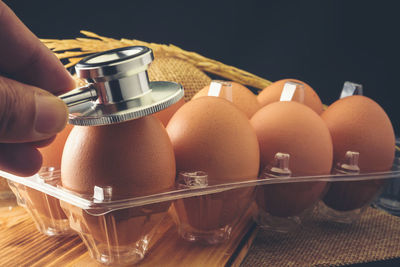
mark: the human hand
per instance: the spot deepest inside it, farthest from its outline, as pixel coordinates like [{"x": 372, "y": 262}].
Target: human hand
[{"x": 30, "y": 115}]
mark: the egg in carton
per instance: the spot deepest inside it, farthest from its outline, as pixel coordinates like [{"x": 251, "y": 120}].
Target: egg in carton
[
  {"x": 294, "y": 139},
  {"x": 214, "y": 143},
  {"x": 363, "y": 142}
]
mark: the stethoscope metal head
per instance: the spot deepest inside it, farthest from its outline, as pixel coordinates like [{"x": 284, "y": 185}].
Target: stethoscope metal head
[{"x": 118, "y": 88}]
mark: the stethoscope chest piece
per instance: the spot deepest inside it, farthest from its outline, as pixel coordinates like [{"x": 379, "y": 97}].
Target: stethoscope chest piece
[{"x": 118, "y": 88}]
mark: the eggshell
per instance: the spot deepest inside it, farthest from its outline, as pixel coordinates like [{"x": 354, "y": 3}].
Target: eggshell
[
  {"x": 357, "y": 123},
  {"x": 242, "y": 97},
  {"x": 272, "y": 93},
  {"x": 119, "y": 228},
  {"x": 52, "y": 153},
  {"x": 165, "y": 115},
  {"x": 134, "y": 158},
  {"x": 43, "y": 204},
  {"x": 210, "y": 134},
  {"x": 293, "y": 128}
]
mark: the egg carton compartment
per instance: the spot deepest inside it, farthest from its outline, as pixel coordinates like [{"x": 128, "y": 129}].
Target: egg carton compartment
[
  {"x": 120, "y": 236},
  {"x": 282, "y": 207},
  {"x": 44, "y": 209},
  {"x": 5, "y": 191},
  {"x": 208, "y": 218},
  {"x": 121, "y": 231},
  {"x": 389, "y": 199}
]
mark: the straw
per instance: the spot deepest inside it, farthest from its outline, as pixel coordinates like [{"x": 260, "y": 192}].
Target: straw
[{"x": 75, "y": 49}]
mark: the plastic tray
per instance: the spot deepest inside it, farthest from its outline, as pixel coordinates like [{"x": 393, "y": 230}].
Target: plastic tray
[{"x": 119, "y": 231}]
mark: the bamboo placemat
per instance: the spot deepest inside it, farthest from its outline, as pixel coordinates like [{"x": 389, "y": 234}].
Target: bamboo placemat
[{"x": 321, "y": 243}]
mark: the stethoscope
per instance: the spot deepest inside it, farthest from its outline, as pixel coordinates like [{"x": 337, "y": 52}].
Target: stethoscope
[{"x": 118, "y": 88}]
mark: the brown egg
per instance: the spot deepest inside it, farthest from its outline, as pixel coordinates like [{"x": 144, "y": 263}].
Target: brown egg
[
  {"x": 210, "y": 134},
  {"x": 165, "y": 115},
  {"x": 43, "y": 204},
  {"x": 131, "y": 227},
  {"x": 359, "y": 124},
  {"x": 134, "y": 159},
  {"x": 290, "y": 127},
  {"x": 242, "y": 97},
  {"x": 46, "y": 209},
  {"x": 272, "y": 93},
  {"x": 52, "y": 153}
]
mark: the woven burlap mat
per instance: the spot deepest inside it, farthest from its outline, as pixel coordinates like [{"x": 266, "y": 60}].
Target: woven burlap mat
[
  {"x": 322, "y": 243},
  {"x": 180, "y": 71}
]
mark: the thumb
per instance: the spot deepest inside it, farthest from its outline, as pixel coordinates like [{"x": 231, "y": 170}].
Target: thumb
[{"x": 28, "y": 113}]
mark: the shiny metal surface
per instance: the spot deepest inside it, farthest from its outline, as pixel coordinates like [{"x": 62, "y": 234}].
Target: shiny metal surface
[
  {"x": 80, "y": 95},
  {"x": 114, "y": 64},
  {"x": 118, "y": 89},
  {"x": 162, "y": 95}
]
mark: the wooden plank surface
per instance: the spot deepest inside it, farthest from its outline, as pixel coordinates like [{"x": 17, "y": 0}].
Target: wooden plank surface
[{"x": 22, "y": 245}]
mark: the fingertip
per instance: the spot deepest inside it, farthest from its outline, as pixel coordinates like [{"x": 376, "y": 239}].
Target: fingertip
[
  {"x": 29, "y": 113},
  {"x": 43, "y": 143},
  {"x": 51, "y": 114},
  {"x": 67, "y": 83},
  {"x": 20, "y": 159}
]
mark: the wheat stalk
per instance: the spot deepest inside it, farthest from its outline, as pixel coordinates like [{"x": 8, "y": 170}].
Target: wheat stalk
[{"x": 96, "y": 43}]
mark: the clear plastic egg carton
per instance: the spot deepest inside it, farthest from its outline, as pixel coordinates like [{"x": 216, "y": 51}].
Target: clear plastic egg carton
[
  {"x": 120, "y": 231},
  {"x": 44, "y": 209},
  {"x": 5, "y": 191}
]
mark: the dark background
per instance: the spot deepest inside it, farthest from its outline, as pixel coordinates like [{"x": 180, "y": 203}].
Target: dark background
[{"x": 323, "y": 43}]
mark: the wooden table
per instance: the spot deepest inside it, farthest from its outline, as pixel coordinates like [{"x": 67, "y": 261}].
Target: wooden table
[{"x": 22, "y": 245}]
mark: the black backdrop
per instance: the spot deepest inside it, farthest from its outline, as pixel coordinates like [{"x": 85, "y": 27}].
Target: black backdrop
[{"x": 323, "y": 43}]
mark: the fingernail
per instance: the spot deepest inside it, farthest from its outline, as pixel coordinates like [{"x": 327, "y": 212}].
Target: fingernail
[{"x": 51, "y": 114}]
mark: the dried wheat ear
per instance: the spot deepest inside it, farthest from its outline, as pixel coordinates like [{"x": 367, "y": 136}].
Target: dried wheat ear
[{"x": 75, "y": 49}]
